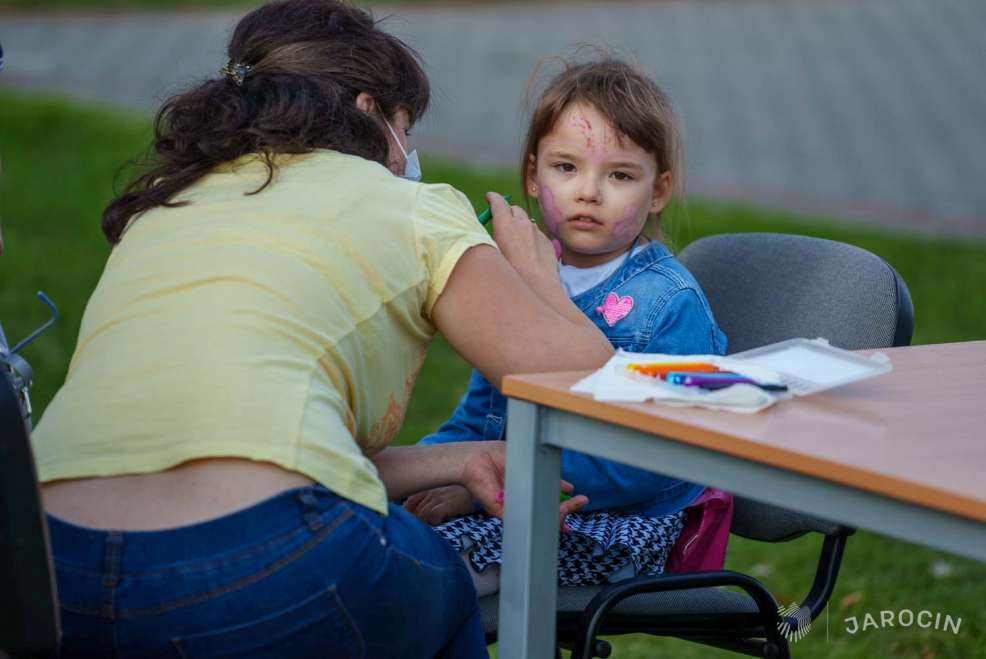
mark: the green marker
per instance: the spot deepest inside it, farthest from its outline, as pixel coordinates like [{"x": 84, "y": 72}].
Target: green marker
[
  {"x": 487, "y": 214},
  {"x": 564, "y": 497}
]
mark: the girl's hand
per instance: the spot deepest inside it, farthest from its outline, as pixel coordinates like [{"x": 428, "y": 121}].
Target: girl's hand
[
  {"x": 570, "y": 506},
  {"x": 440, "y": 504},
  {"x": 521, "y": 242}
]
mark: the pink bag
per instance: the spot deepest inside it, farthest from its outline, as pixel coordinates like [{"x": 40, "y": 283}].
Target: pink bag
[{"x": 701, "y": 546}]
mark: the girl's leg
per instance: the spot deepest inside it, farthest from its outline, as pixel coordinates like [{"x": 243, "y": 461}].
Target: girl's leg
[{"x": 486, "y": 582}]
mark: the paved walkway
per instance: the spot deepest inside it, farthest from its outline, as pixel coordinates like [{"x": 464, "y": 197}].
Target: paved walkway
[{"x": 872, "y": 110}]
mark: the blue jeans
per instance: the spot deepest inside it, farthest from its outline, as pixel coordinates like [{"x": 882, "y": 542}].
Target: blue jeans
[{"x": 303, "y": 574}]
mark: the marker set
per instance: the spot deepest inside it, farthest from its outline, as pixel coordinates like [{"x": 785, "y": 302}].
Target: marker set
[{"x": 697, "y": 374}]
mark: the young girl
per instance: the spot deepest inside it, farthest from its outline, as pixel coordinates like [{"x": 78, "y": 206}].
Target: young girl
[{"x": 601, "y": 157}]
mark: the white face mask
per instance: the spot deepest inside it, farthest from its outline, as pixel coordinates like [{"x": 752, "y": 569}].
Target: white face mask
[{"x": 412, "y": 166}]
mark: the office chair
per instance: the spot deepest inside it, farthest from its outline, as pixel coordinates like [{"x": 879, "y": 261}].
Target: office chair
[{"x": 763, "y": 288}]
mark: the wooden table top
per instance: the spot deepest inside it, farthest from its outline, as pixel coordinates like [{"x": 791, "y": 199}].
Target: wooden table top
[{"x": 917, "y": 434}]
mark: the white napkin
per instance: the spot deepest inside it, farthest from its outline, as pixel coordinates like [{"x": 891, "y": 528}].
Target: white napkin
[{"x": 613, "y": 383}]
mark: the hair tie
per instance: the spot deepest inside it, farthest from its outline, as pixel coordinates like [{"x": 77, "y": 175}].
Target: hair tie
[
  {"x": 330, "y": 27},
  {"x": 235, "y": 71}
]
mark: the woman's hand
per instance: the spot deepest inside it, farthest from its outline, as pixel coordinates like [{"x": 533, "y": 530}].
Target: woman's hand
[
  {"x": 483, "y": 476},
  {"x": 478, "y": 467},
  {"x": 440, "y": 504},
  {"x": 521, "y": 242}
]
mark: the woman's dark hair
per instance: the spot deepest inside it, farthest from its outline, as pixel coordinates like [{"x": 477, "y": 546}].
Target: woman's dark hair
[{"x": 306, "y": 61}]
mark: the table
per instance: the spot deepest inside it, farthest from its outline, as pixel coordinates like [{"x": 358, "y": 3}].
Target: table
[{"x": 903, "y": 454}]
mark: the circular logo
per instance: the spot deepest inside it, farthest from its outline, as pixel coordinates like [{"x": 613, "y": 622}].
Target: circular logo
[{"x": 801, "y": 617}]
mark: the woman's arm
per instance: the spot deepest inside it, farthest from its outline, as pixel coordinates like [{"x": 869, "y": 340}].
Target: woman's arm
[
  {"x": 506, "y": 312},
  {"x": 477, "y": 466}
]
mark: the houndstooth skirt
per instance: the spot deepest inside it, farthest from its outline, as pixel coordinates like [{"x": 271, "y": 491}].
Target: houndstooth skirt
[{"x": 602, "y": 547}]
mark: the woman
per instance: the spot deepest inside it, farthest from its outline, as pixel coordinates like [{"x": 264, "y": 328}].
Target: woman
[{"x": 216, "y": 466}]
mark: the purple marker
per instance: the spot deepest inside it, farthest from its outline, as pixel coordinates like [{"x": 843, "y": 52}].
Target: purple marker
[
  {"x": 717, "y": 380},
  {"x": 697, "y": 379}
]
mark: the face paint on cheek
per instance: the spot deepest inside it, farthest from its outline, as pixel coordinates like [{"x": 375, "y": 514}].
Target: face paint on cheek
[
  {"x": 627, "y": 227},
  {"x": 549, "y": 211}
]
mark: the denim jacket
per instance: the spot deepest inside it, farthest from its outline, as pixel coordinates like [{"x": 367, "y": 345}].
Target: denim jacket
[{"x": 668, "y": 314}]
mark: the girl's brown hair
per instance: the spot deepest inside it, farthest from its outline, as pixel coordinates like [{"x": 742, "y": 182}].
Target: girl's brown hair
[
  {"x": 629, "y": 100},
  {"x": 305, "y": 62}
]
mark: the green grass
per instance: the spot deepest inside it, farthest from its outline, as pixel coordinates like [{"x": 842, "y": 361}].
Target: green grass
[{"x": 58, "y": 163}]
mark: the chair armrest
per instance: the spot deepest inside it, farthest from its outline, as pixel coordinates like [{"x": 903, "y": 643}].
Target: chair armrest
[
  {"x": 610, "y": 596},
  {"x": 767, "y": 522},
  {"x": 829, "y": 562}
]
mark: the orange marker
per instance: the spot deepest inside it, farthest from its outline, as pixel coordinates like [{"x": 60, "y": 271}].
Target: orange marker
[{"x": 658, "y": 370}]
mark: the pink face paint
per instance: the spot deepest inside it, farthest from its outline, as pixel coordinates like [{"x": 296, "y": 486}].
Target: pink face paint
[
  {"x": 599, "y": 150},
  {"x": 585, "y": 126},
  {"x": 626, "y": 227},
  {"x": 549, "y": 210}
]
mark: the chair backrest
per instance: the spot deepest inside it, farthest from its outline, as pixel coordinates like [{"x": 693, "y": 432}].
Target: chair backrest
[
  {"x": 28, "y": 611},
  {"x": 768, "y": 287}
]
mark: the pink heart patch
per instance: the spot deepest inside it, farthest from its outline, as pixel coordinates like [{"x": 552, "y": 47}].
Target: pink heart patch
[{"x": 615, "y": 308}]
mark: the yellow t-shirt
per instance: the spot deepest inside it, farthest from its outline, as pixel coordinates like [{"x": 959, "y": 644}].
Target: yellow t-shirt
[{"x": 286, "y": 326}]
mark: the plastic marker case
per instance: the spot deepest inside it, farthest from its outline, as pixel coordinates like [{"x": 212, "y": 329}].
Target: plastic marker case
[{"x": 808, "y": 366}]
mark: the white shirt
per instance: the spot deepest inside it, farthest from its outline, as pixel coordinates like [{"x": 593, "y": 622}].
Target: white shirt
[{"x": 578, "y": 280}]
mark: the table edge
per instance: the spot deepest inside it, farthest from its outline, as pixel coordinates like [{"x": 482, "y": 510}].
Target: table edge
[{"x": 842, "y": 474}]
